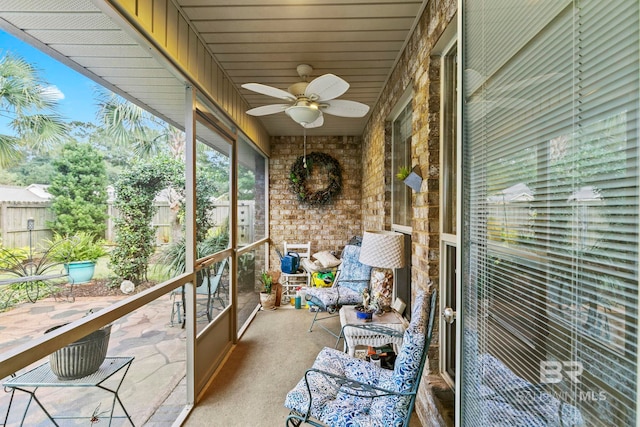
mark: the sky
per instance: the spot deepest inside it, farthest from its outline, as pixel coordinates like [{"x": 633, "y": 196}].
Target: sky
[{"x": 77, "y": 92}]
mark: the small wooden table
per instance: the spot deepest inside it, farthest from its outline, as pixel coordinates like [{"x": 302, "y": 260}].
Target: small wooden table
[{"x": 358, "y": 332}]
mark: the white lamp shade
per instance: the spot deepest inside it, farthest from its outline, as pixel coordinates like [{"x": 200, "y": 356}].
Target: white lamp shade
[{"x": 382, "y": 249}]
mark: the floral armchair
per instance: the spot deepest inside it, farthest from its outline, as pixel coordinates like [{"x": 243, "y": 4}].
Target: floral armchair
[
  {"x": 341, "y": 390},
  {"x": 352, "y": 278}
]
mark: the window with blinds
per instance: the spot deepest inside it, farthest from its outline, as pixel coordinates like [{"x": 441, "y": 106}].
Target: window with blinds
[
  {"x": 401, "y": 212},
  {"x": 550, "y": 212}
]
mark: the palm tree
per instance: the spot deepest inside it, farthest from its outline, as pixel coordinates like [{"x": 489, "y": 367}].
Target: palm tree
[
  {"x": 28, "y": 103},
  {"x": 131, "y": 126}
]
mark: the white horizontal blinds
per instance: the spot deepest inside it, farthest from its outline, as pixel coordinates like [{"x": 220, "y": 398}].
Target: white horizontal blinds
[{"x": 551, "y": 202}]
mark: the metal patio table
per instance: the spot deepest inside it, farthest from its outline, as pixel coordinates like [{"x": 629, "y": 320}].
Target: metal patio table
[{"x": 42, "y": 376}]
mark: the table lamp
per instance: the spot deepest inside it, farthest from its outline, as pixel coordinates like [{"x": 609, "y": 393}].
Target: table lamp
[{"x": 383, "y": 250}]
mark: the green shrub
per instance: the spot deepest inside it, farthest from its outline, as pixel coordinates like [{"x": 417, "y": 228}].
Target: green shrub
[{"x": 78, "y": 247}]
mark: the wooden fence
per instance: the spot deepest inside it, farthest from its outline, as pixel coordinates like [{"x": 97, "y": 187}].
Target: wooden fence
[{"x": 14, "y": 216}]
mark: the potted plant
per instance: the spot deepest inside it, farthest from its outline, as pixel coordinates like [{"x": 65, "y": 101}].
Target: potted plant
[
  {"x": 268, "y": 294},
  {"x": 82, "y": 357},
  {"x": 411, "y": 177},
  {"x": 79, "y": 254}
]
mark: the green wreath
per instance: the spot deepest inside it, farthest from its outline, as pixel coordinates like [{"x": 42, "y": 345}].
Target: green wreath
[{"x": 299, "y": 174}]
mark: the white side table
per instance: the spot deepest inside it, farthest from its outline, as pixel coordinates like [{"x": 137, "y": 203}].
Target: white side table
[{"x": 358, "y": 332}]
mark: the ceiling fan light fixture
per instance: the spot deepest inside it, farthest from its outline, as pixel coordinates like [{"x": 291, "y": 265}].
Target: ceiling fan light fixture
[{"x": 303, "y": 114}]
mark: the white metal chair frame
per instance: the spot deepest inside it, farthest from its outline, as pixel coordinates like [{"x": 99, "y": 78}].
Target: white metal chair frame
[{"x": 292, "y": 280}]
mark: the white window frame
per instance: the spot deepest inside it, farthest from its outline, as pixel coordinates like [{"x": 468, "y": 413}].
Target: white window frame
[{"x": 405, "y": 99}]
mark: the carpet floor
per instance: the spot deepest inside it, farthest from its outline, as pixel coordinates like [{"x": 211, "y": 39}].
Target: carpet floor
[{"x": 268, "y": 361}]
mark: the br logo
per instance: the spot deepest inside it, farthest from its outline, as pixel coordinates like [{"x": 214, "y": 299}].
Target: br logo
[{"x": 552, "y": 372}]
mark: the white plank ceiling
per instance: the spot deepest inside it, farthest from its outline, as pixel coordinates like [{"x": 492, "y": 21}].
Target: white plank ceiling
[{"x": 259, "y": 41}]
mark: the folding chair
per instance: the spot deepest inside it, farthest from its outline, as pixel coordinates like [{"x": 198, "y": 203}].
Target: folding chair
[{"x": 210, "y": 286}]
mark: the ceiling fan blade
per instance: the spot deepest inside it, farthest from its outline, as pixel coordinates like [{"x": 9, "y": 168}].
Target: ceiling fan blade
[
  {"x": 316, "y": 124},
  {"x": 269, "y": 91},
  {"x": 267, "y": 109},
  {"x": 344, "y": 108},
  {"x": 326, "y": 87}
]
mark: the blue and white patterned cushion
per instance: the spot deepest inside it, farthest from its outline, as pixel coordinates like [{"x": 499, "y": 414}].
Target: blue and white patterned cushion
[
  {"x": 410, "y": 355},
  {"x": 528, "y": 407},
  {"x": 347, "y": 290},
  {"x": 353, "y": 274},
  {"x": 325, "y": 297},
  {"x": 334, "y": 407}
]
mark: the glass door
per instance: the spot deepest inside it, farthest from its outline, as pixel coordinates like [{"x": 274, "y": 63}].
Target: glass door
[{"x": 449, "y": 203}]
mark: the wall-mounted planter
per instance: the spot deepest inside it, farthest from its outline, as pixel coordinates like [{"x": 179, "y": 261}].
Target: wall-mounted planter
[{"x": 414, "y": 179}]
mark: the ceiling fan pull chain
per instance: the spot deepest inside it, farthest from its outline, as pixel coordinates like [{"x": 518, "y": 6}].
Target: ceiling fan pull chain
[{"x": 304, "y": 149}]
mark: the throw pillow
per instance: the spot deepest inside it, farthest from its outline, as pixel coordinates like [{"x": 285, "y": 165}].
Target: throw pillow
[{"x": 327, "y": 259}]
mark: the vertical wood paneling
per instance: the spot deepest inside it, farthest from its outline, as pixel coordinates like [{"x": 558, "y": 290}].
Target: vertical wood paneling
[
  {"x": 237, "y": 104},
  {"x": 145, "y": 14},
  {"x": 129, "y": 5},
  {"x": 172, "y": 30},
  {"x": 215, "y": 72},
  {"x": 192, "y": 55},
  {"x": 183, "y": 42},
  {"x": 227, "y": 94},
  {"x": 169, "y": 29},
  {"x": 206, "y": 76},
  {"x": 223, "y": 90},
  {"x": 159, "y": 27},
  {"x": 201, "y": 63}
]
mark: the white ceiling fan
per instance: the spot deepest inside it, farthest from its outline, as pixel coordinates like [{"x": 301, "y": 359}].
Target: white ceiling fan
[{"x": 308, "y": 100}]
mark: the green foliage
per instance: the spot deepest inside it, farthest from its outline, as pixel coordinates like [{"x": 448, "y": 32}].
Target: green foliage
[
  {"x": 11, "y": 257},
  {"x": 39, "y": 170},
  {"x": 135, "y": 129},
  {"x": 403, "y": 173},
  {"x": 79, "y": 247},
  {"x": 174, "y": 256},
  {"x": 267, "y": 281},
  {"x": 301, "y": 170},
  {"x": 30, "y": 105},
  {"x": 135, "y": 236},
  {"x": 246, "y": 183},
  {"x": 16, "y": 263},
  {"x": 205, "y": 190},
  {"x": 79, "y": 189}
]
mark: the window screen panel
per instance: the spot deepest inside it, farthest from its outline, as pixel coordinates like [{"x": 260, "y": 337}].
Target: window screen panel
[{"x": 550, "y": 212}]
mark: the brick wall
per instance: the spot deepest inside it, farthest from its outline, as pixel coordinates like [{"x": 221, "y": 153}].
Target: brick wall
[
  {"x": 328, "y": 227},
  {"x": 417, "y": 68}
]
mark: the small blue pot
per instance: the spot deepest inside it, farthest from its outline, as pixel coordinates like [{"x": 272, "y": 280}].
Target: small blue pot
[{"x": 364, "y": 315}]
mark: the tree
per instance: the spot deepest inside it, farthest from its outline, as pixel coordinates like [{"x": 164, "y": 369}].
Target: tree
[
  {"x": 79, "y": 187},
  {"x": 131, "y": 126},
  {"x": 135, "y": 192},
  {"x": 29, "y": 104}
]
